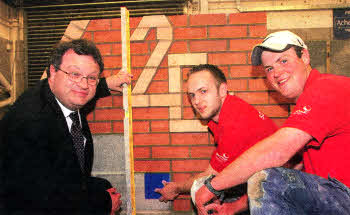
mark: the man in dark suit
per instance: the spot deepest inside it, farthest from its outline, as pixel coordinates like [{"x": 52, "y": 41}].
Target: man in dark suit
[{"x": 46, "y": 154}]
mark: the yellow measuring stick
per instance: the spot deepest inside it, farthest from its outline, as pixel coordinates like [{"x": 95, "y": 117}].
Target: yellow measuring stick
[{"x": 128, "y": 135}]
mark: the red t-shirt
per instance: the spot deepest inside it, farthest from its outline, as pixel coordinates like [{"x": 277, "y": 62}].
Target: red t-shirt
[
  {"x": 323, "y": 111},
  {"x": 240, "y": 126}
]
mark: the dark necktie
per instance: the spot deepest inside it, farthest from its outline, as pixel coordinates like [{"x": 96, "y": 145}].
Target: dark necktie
[{"x": 78, "y": 139}]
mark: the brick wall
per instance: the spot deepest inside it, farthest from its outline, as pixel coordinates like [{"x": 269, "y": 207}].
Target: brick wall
[{"x": 167, "y": 135}]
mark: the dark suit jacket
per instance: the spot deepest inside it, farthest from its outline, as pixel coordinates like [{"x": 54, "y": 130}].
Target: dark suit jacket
[{"x": 40, "y": 172}]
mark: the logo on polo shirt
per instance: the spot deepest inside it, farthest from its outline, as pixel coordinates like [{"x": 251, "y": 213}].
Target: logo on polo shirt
[
  {"x": 224, "y": 157},
  {"x": 261, "y": 115},
  {"x": 303, "y": 111}
]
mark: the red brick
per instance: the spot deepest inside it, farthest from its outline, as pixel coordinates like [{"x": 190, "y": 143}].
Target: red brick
[
  {"x": 257, "y": 31},
  {"x": 237, "y": 85},
  {"x": 185, "y": 71},
  {"x": 150, "y": 113},
  {"x": 107, "y": 36},
  {"x": 100, "y": 127},
  {"x": 258, "y": 84},
  {"x": 162, "y": 74},
  {"x": 158, "y": 87},
  {"x": 104, "y": 102},
  {"x": 273, "y": 110},
  {"x": 152, "y": 166},
  {"x": 134, "y": 21},
  {"x": 136, "y": 72},
  {"x": 279, "y": 121},
  {"x": 164, "y": 62},
  {"x": 116, "y": 48},
  {"x": 160, "y": 126},
  {"x": 152, "y": 46},
  {"x": 99, "y": 24},
  {"x": 139, "y": 61},
  {"x": 189, "y": 165},
  {"x": 112, "y": 61},
  {"x": 254, "y": 97},
  {"x": 87, "y": 35},
  {"x": 105, "y": 49},
  {"x": 202, "y": 151},
  {"x": 151, "y": 34},
  {"x": 227, "y": 31},
  {"x": 182, "y": 205},
  {"x": 190, "y": 33},
  {"x": 140, "y": 126},
  {"x": 178, "y": 47},
  {"x": 170, "y": 152},
  {"x": 225, "y": 70},
  {"x": 118, "y": 127},
  {"x": 90, "y": 116},
  {"x": 116, "y": 24},
  {"x": 138, "y": 48},
  {"x": 118, "y": 101},
  {"x": 257, "y": 71},
  {"x": 227, "y": 58},
  {"x": 277, "y": 98},
  {"x": 247, "y": 18},
  {"x": 142, "y": 152},
  {"x": 178, "y": 20},
  {"x": 240, "y": 71},
  {"x": 181, "y": 176},
  {"x": 186, "y": 101},
  {"x": 244, "y": 44},
  {"x": 188, "y": 113},
  {"x": 208, "y": 19},
  {"x": 109, "y": 114},
  {"x": 189, "y": 139},
  {"x": 151, "y": 139},
  {"x": 208, "y": 45}
]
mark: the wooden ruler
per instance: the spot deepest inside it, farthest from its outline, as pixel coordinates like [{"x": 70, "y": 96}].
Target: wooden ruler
[{"x": 128, "y": 135}]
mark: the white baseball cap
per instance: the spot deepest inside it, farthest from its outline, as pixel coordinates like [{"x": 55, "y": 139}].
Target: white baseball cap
[{"x": 278, "y": 42}]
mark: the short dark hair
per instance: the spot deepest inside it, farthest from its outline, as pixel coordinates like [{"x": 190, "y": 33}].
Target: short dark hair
[
  {"x": 214, "y": 70},
  {"x": 80, "y": 47},
  {"x": 298, "y": 50}
]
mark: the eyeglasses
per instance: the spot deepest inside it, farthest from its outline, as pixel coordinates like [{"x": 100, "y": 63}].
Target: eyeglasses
[{"x": 77, "y": 77}]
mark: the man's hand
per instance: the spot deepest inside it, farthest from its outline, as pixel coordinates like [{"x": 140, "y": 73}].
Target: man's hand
[
  {"x": 115, "y": 82},
  {"x": 228, "y": 208},
  {"x": 168, "y": 192},
  {"x": 203, "y": 196},
  {"x": 116, "y": 202}
]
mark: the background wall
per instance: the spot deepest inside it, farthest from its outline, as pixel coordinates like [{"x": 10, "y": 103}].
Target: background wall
[{"x": 168, "y": 137}]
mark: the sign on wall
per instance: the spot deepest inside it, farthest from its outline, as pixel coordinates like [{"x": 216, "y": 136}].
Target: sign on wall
[{"x": 341, "y": 23}]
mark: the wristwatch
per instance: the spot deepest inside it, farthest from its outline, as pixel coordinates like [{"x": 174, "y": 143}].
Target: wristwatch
[{"x": 219, "y": 194}]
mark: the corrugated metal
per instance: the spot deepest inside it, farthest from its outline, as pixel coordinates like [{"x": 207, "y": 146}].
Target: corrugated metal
[{"x": 46, "y": 23}]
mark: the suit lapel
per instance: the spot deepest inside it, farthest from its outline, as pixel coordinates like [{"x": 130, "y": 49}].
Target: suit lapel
[{"x": 63, "y": 127}]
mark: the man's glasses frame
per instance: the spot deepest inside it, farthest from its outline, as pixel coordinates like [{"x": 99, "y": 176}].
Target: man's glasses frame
[{"x": 77, "y": 77}]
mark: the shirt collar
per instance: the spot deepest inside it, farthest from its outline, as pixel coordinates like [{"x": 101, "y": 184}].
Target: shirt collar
[
  {"x": 66, "y": 111},
  {"x": 314, "y": 74}
]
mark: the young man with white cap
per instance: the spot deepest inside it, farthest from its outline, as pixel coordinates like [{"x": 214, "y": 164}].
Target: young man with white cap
[{"x": 319, "y": 126}]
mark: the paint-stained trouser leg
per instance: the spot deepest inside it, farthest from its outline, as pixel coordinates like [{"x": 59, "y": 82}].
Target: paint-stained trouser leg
[{"x": 280, "y": 191}]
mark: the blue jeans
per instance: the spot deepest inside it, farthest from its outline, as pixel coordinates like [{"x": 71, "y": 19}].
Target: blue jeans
[{"x": 281, "y": 191}]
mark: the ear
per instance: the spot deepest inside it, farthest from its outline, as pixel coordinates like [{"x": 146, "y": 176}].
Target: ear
[
  {"x": 52, "y": 72},
  {"x": 223, "y": 90},
  {"x": 305, "y": 56}
]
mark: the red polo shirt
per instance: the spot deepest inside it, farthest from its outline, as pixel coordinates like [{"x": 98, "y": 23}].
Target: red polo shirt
[
  {"x": 323, "y": 111},
  {"x": 240, "y": 126}
]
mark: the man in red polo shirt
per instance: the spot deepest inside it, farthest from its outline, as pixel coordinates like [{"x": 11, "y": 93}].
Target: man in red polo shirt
[
  {"x": 319, "y": 125},
  {"x": 236, "y": 126}
]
